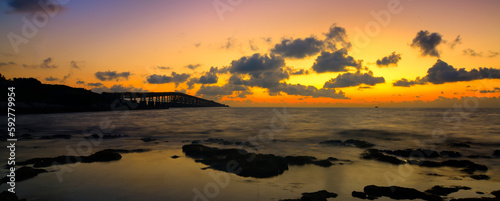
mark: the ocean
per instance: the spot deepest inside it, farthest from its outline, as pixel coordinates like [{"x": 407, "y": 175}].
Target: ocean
[{"x": 157, "y": 175}]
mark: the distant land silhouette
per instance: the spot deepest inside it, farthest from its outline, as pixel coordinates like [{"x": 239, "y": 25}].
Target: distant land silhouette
[{"x": 31, "y": 96}]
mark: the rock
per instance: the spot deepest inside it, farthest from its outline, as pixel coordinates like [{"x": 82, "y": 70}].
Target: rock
[
  {"x": 102, "y": 156},
  {"x": 148, "y": 139},
  {"x": 358, "y": 194},
  {"x": 496, "y": 193},
  {"x": 469, "y": 166},
  {"x": 480, "y": 193},
  {"x": 396, "y": 192},
  {"x": 349, "y": 142},
  {"x": 478, "y": 156},
  {"x": 475, "y": 199},
  {"x": 375, "y": 154},
  {"x": 219, "y": 141},
  {"x": 450, "y": 154},
  {"x": 323, "y": 163},
  {"x": 25, "y": 173},
  {"x": 480, "y": 177},
  {"x": 444, "y": 191},
  {"x": 175, "y": 156},
  {"x": 316, "y": 196},
  {"x": 105, "y": 136},
  {"x": 8, "y": 196},
  {"x": 300, "y": 160},
  {"x": 496, "y": 153},
  {"x": 243, "y": 163}
]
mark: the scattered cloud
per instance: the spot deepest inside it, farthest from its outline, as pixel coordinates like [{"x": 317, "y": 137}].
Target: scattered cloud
[
  {"x": 197, "y": 44},
  {"x": 11, "y": 63},
  {"x": 298, "y": 48},
  {"x": 74, "y": 64},
  {"x": 303, "y": 90},
  {"x": 33, "y": 6},
  {"x": 427, "y": 43},
  {"x": 337, "y": 36},
  {"x": 256, "y": 64},
  {"x": 441, "y": 73},
  {"x": 117, "y": 88},
  {"x": 209, "y": 77},
  {"x": 95, "y": 84},
  {"x": 163, "y": 67},
  {"x": 46, "y": 64},
  {"x": 111, "y": 75},
  {"x": 493, "y": 54},
  {"x": 229, "y": 43},
  {"x": 51, "y": 79},
  {"x": 392, "y": 59},
  {"x": 193, "y": 66},
  {"x": 80, "y": 82},
  {"x": 472, "y": 52},
  {"x": 455, "y": 42},
  {"x": 162, "y": 79},
  {"x": 337, "y": 61},
  {"x": 353, "y": 79}
]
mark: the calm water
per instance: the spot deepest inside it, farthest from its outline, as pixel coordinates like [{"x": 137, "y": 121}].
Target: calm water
[{"x": 282, "y": 131}]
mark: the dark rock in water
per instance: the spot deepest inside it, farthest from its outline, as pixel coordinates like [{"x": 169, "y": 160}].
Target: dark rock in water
[
  {"x": 480, "y": 177},
  {"x": 100, "y": 156},
  {"x": 460, "y": 144},
  {"x": 349, "y": 142},
  {"x": 478, "y": 156},
  {"x": 470, "y": 167},
  {"x": 26, "y": 136},
  {"x": 480, "y": 193},
  {"x": 175, "y": 156},
  {"x": 148, "y": 139},
  {"x": 358, "y": 194},
  {"x": 8, "y": 196},
  {"x": 450, "y": 154},
  {"x": 300, "y": 160},
  {"x": 24, "y": 173},
  {"x": 434, "y": 174},
  {"x": 423, "y": 153},
  {"x": 60, "y": 136},
  {"x": 237, "y": 161},
  {"x": 396, "y": 192},
  {"x": 496, "y": 193},
  {"x": 316, "y": 196},
  {"x": 444, "y": 191},
  {"x": 496, "y": 153},
  {"x": 332, "y": 159},
  {"x": 476, "y": 199},
  {"x": 219, "y": 141},
  {"x": 105, "y": 136},
  {"x": 323, "y": 163},
  {"x": 196, "y": 142},
  {"x": 375, "y": 154}
]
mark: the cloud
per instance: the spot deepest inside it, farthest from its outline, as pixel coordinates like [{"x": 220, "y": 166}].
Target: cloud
[
  {"x": 256, "y": 64},
  {"x": 80, "y": 82},
  {"x": 209, "y": 77},
  {"x": 489, "y": 91},
  {"x": 47, "y": 63},
  {"x": 293, "y": 71},
  {"x": 392, "y": 59},
  {"x": 337, "y": 36},
  {"x": 63, "y": 80},
  {"x": 337, "y": 61},
  {"x": 163, "y": 67},
  {"x": 303, "y": 90},
  {"x": 455, "y": 42},
  {"x": 7, "y": 63},
  {"x": 472, "y": 52},
  {"x": 427, "y": 43},
  {"x": 51, "y": 79},
  {"x": 353, "y": 79},
  {"x": 197, "y": 44},
  {"x": 226, "y": 90},
  {"x": 111, "y": 75},
  {"x": 441, "y": 73},
  {"x": 95, "y": 84},
  {"x": 74, "y": 65},
  {"x": 230, "y": 43},
  {"x": 162, "y": 79},
  {"x": 493, "y": 54},
  {"x": 252, "y": 46},
  {"x": 33, "y": 6},
  {"x": 193, "y": 66},
  {"x": 118, "y": 88},
  {"x": 298, "y": 48}
]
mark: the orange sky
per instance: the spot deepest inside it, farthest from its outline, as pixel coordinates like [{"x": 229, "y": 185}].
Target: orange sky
[{"x": 79, "y": 39}]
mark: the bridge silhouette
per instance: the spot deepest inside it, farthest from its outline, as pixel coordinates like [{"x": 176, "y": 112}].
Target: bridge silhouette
[{"x": 162, "y": 100}]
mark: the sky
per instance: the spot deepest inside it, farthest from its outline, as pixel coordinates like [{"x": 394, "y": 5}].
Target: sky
[{"x": 364, "y": 53}]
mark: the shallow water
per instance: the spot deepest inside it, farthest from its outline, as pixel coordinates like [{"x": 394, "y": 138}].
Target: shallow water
[{"x": 155, "y": 175}]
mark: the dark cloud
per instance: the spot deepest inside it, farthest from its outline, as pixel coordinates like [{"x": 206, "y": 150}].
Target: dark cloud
[
  {"x": 63, "y": 80},
  {"x": 337, "y": 61},
  {"x": 441, "y": 73},
  {"x": 493, "y": 54},
  {"x": 111, "y": 75},
  {"x": 252, "y": 46},
  {"x": 117, "y": 88},
  {"x": 298, "y": 48},
  {"x": 7, "y": 63},
  {"x": 407, "y": 83},
  {"x": 427, "y": 43},
  {"x": 51, "y": 79},
  {"x": 197, "y": 44},
  {"x": 337, "y": 36},
  {"x": 162, "y": 79},
  {"x": 209, "y": 77},
  {"x": 455, "y": 42},
  {"x": 472, "y": 53},
  {"x": 95, "y": 84},
  {"x": 256, "y": 64},
  {"x": 230, "y": 43},
  {"x": 353, "y": 79},
  {"x": 163, "y": 67},
  {"x": 293, "y": 71},
  {"x": 226, "y": 90},
  {"x": 46, "y": 64},
  {"x": 303, "y": 90},
  {"x": 74, "y": 65},
  {"x": 80, "y": 82},
  {"x": 392, "y": 59},
  {"x": 489, "y": 91},
  {"x": 193, "y": 66},
  {"x": 33, "y": 6}
]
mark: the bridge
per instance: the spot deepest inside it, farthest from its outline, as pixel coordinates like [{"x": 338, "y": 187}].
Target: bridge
[{"x": 163, "y": 100}]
